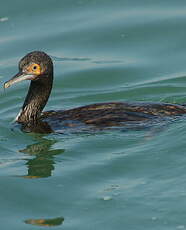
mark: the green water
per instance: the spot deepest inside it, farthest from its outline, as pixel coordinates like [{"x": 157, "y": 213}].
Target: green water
[{"x": 103, "y": 50}]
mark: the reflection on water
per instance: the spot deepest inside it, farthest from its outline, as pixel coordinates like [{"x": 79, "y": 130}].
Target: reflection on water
[
  {"x": 69, "y": 59},
  {"x": 46, "y": 222},
  {"x": 61, "y": 59},
  {"x": 43, "y": 164}
]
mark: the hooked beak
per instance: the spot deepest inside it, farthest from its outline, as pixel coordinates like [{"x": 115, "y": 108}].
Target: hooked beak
[{"x": 19, "y": 77}]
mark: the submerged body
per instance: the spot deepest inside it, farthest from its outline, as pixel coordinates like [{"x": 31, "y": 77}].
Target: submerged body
[
  {"x": 102, "y": 115},
  {"x": 38, "y": 67}
]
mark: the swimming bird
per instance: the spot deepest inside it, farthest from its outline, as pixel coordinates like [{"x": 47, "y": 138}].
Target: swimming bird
[{"x": 37, "y": 67}]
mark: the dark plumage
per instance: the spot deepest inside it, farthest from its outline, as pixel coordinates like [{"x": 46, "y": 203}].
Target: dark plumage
[{"x": 38, "y": 67}]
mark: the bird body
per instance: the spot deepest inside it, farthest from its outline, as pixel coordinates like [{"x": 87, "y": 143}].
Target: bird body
[
  {"x": 37, "y": 66},
  {"x": 112, "y": 113}
]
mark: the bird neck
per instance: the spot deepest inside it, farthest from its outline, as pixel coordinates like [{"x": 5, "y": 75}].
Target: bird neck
[{"x": 36, "y": 99}]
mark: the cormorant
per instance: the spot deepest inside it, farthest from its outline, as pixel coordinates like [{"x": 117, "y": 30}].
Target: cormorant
[{"x": 37, "y": 67}]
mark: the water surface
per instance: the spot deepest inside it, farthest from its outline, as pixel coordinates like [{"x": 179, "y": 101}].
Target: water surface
[{"x": 103, "y": 51}]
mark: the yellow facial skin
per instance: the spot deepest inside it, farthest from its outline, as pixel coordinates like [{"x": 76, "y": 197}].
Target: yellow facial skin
[{"x": 34, "y": 69}]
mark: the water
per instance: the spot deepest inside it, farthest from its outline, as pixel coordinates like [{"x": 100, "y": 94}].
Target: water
[{"x": 103, "y": 51}]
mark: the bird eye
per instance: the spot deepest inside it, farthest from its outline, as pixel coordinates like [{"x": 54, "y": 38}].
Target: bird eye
[{"x": 34, "y": 68}]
